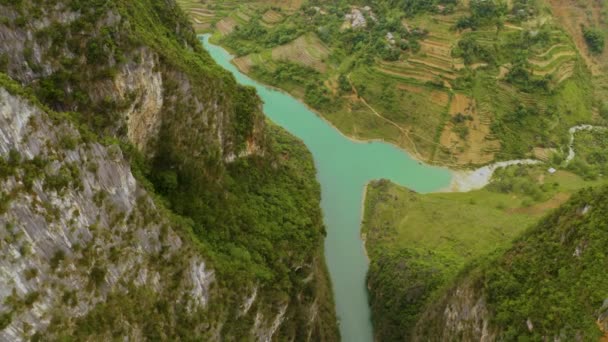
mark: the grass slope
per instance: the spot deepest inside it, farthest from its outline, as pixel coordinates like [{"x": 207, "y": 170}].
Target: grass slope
[
  {"x": 551, "y": 283},
  {"x": 418, "y": 244}
]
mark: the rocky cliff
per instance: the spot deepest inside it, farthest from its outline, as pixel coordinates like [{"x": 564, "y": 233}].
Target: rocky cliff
[
  {"x": 78, "y": 228},
  {"x": 142, "y": 194},
  {"x": 133, "y": 68}
]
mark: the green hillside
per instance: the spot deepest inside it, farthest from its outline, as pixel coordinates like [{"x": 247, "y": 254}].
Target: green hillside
[
  {"x": 421, "y": 246},
  {"x": 454, "y": 83},
  {"x": 550, "y": 283}
]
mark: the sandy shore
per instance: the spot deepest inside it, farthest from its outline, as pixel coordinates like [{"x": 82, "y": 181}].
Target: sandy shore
[
  {"x": 476, "y": 179},
  {"x": 467, "y": 180}
]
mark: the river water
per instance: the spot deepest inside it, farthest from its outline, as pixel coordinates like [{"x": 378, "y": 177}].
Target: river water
[{"x": 344, "y": 167}]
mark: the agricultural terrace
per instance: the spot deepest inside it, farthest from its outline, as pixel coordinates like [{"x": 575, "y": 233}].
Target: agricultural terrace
[{"x": 455, "y": 83}]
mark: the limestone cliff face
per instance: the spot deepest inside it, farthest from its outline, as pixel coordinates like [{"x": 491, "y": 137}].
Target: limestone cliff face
[
  {"x": 137, "y": 88},
  {"x": 463, "y": 315},
  {"x": 86, "y": 244},
  {"x": 144, "y": 83},
  {"x": 81, "y": 229},
  {"x": 84, "y": 229}
]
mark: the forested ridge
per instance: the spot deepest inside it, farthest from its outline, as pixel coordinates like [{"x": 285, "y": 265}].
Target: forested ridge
[{"x": 550, "y": 283}]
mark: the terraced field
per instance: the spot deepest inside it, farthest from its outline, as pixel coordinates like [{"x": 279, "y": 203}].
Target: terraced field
[
  {"x": 208, "y": 15},
  {"x": 409, "y": 72},
  {"x": 289, "y": 6},
  {"x": 226, "y": 25},
  {"x": 272, "y": 17},
  {"x": 473, "y": 141},
  {"x": 203, "y": 17},
  {"x": 471, "y": 138},
  {"x": 246, "y": 63},
  {"x": 435, "y": 66},
  {"x": 435, "y": 55},
  {"x": 415, "y": 100},
  {"x": 234, "y": 15},
  {"x": 572, "y": 15},
  {"x": 307, "y": 50},
  {"x": 558, "y": 60}
]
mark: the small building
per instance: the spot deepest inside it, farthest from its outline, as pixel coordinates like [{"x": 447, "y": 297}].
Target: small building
[{"x": 552, "y": 170}]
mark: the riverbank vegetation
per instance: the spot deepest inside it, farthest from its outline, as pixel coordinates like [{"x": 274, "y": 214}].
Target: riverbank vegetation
[{"x": 261, "y": 216}]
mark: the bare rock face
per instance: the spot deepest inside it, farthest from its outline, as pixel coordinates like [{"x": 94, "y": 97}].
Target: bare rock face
[
  {"x": 26, "y": 56},
  {"x": 83, "y": 226},
  {"x": 462, "y": 315},
  {"x": 144, "y": 113},
  {"x": 76, "y": 227}
]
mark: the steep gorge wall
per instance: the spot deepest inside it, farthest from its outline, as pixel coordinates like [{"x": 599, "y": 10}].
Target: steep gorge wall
[
  {"x": 88, "y": 248},
  {"x": 77, "y": 227},
  {"x": 92, "y": 57}
]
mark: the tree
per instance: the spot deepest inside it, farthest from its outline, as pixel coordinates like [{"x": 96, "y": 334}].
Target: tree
[
  {"x": 344, "y": 84},
  {"x": 594, "y": 39}
]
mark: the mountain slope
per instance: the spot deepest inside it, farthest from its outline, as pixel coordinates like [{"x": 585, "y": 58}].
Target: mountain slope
[
  {"x": 551, "y": 284},
  {"x": 144, "y": 195},
  {"x": 458, "y": 267}
]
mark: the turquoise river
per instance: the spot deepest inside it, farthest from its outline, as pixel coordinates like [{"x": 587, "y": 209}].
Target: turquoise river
[{"x": 344, "y": 167}]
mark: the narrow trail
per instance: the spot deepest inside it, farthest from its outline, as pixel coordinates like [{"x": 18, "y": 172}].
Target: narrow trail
[
  {"x": 405, "y": 133},
  {"x": 476, "y": 179}
]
